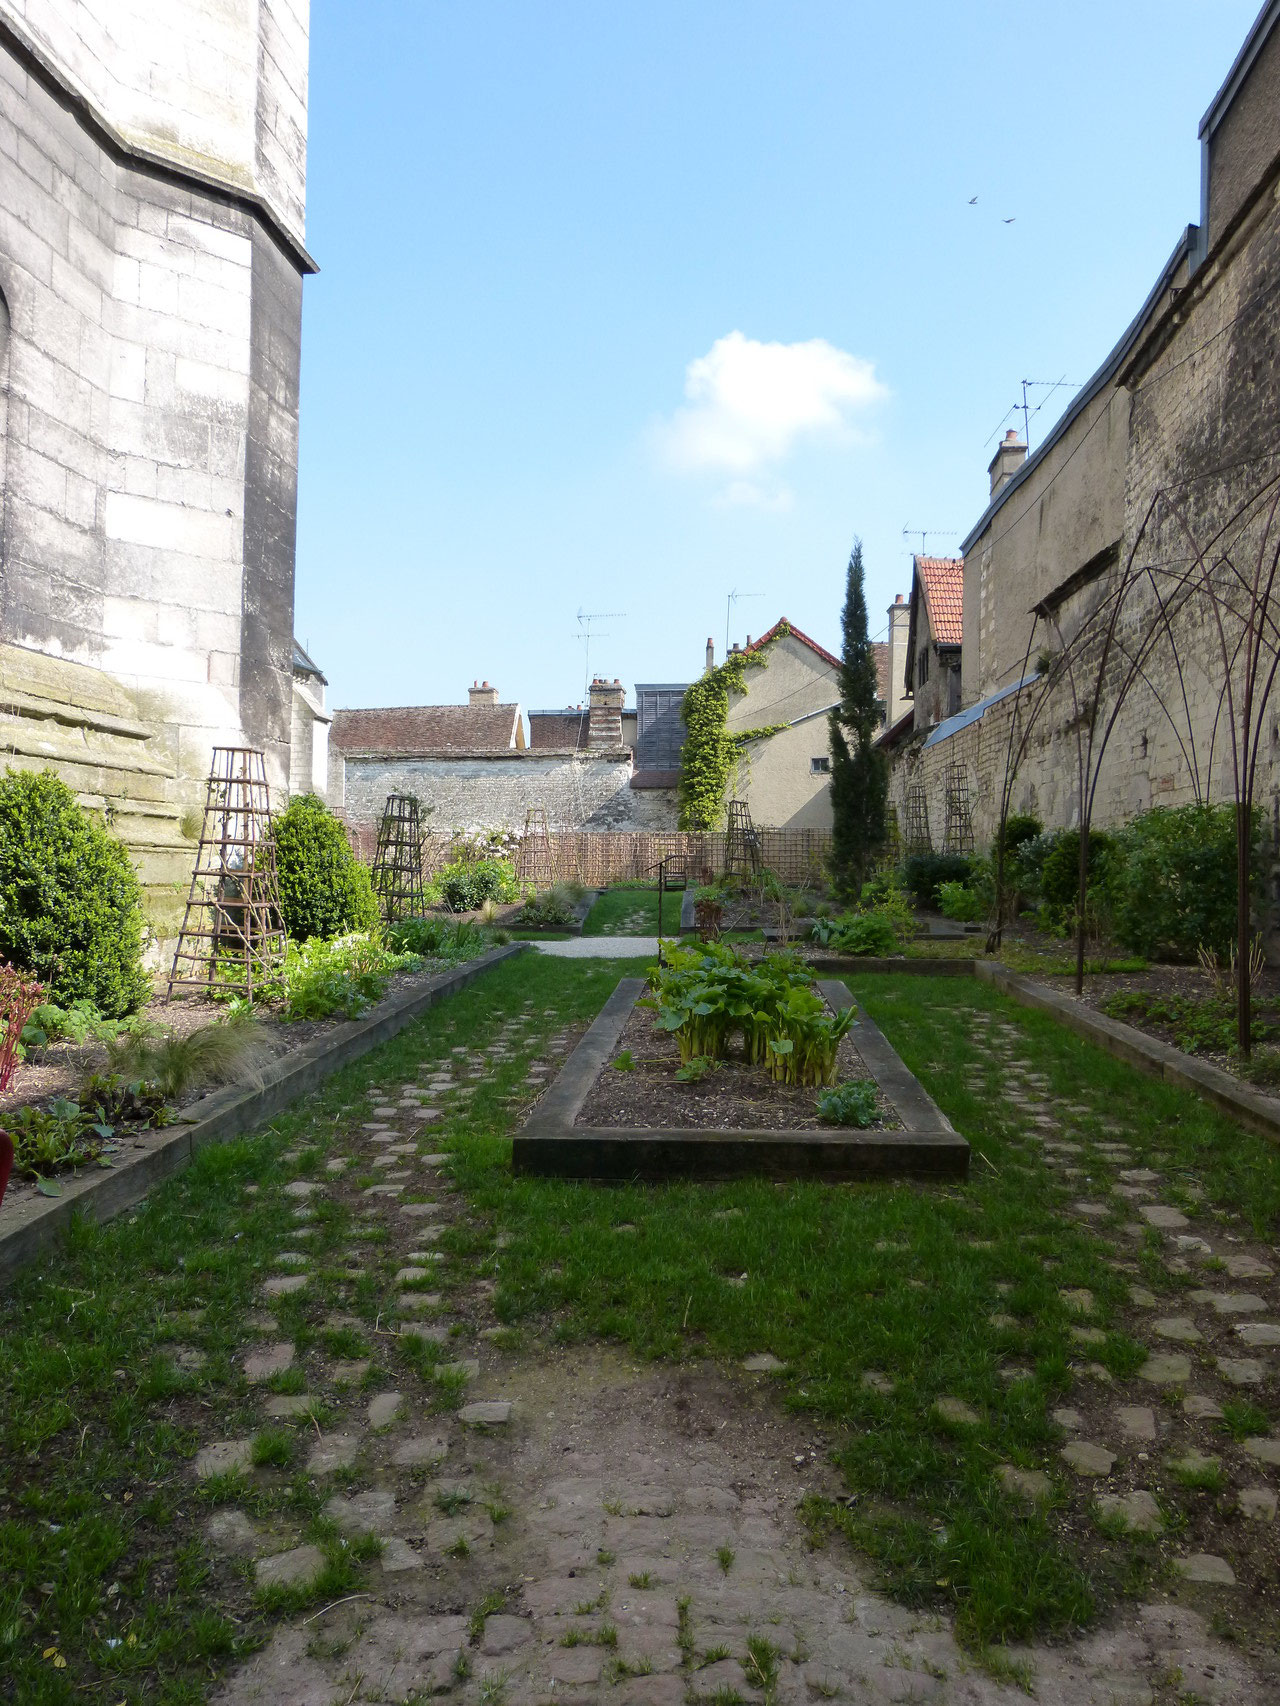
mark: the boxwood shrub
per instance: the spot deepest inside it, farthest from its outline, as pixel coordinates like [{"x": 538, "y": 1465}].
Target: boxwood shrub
[
  {"x": 70, "y": 902},
  {"x": 324, "y": 889}
]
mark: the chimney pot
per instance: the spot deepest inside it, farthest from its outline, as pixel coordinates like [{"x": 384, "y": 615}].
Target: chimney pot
[
  {"x": 1010, "y": 454},
  {"x": 482, "y": 695}
]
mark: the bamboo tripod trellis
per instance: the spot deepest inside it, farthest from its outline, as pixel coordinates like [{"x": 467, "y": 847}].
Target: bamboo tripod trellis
[
  {"x": 536, "y": 863},
  {"x": 232, "y": 935},
  {"x": 398, "y": 860}
]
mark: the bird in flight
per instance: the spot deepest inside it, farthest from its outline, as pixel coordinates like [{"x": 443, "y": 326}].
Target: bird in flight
[
  {"x": 1009, "y": 221},
  {"x": 972, "y": 200}
]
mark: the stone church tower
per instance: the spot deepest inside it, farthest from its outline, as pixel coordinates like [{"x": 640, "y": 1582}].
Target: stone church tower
[{"x": 152, "y": 192}]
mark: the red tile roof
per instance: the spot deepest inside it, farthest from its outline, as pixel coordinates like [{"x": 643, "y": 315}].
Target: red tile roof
[
  {"x": 943, "y": 581},
  {"x": 796, "y": 634},
  {"x": 427, "y": 731}
]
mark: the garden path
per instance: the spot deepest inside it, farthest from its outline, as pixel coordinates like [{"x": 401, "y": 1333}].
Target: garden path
[{"x": 581, "y": 1529}]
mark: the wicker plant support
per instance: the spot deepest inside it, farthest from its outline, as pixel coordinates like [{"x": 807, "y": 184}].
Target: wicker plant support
[{"x": 398, "y": 860}]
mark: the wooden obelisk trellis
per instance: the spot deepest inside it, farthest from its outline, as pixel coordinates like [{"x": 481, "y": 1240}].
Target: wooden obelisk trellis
[
  {"x": 915, "y": 834},
  {"x": 958, "y": 833},
  {"x": 536, "y": 863},
  {"x": 742, "y": 844},
  {"x": 232, "y": 935},
  {"x": 397, "y": 862}
]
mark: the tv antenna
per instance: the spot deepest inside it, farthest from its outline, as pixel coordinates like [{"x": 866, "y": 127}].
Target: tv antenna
[
  {"x": 587, "y": 631},
  {"x": 928, "y": 533},
  {"x": 1048, "y": 386},
  {"x": 734, "y": 597}
]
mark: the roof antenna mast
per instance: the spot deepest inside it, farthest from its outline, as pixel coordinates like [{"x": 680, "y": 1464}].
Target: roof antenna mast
[
  {"x": 729, "y": 603},
  {"x": 927, "y": 533},
  {"x": 586, "y": 629}
]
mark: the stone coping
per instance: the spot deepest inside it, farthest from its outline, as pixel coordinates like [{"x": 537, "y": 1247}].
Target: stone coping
[
  {"x": 551, "y": 1145},
  {"x": 36, "y": 1223}
]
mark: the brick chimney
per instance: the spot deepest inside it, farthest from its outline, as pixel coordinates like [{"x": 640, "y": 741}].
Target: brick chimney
[
  {"x": 899, "y": 625},
  {"x": 481, "y": 695},
  {"x": 711, "y": 655},
  {"x": 604, "y": 716},
  {"x": 1010, "y": 456}
]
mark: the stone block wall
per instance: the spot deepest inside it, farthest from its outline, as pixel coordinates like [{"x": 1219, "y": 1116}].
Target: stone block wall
[{"x": 577, "y": 789}]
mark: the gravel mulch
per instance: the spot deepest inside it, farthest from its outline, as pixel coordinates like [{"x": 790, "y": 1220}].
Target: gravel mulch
[{"x": 732, "y": 1097}]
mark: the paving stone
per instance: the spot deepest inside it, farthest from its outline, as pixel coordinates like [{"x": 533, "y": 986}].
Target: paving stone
[
  {"x": 1088, "y": 1335},
  {"x": 384, "y": 1190},
  {"x": 280, "y": 1406},
  {"x": 349, "y": 1373},
  {"x": 1242, "y": 1371},
  {"x": 1263, "y": 1450},
  {"x": 384, "y": 1407},
  {"x": 1248, "y": 1267},
  {"x": 957, "y": 1411},
  {"x": 334, "y": 1451},
  {"x": 421, "y": 1451},
  {"x": 1137, "y": 1511},
  {"x": 1136, "y": 1421},
  {"x": 504, "y": 1634},
  {"x": 1139, "y": 1176},
  {"x": 299, "y": 1568},
  {"x": 1161, "y": 1215},
  {"x": 877, "y": 1381},
  {"x": 292, "y": 1259},
  {"x": 1205, "y": 1567},
  {"x": 410, "y": 1276},
  {"x": 1193, "y": 1246},
  {"x": 1087, "y": 1459},
  {"x": 575, "y": 1665},
  {"x": 466, "y": 1368},
  {"x": 1003, "y": 1323},
  {"x": 1194, "y": 1463},
  {"x": 1079, "y": 1298},
  {"x": 1031, "y": 1484},
  {"x": 1237, "y": 1303},
  {"x": 1142, "y": 1298},
  {"x": 1200, "y": 1408},
  {"x": 302, "y": 1188},
  {"x": 1167, "y": 1369},
  {"x": 282, "y": 1285},
  {"x": 224, "y": 1457},
  {"x": 420, "y": 1210},
  {"x": 764, "y": 1362},
  {"x": 1260, "y": 1334},
  {"x": 1178, "y": 1327},
  {"x": 488, "y": 1413},
  {"x": 429, "y": 1331},
  {"x": 189, "y": 1359},
  {"x": 271, "y": 1360},
  {"x": 398, "y": 1556},
  {"x": 1091, "y": 1210},
  {"x": 231, "y": 1531},
  {"x": 1066, "y": 1418},
  {"x": 1258, "y": 1503},
  {"x": 364, "y": 1513}
]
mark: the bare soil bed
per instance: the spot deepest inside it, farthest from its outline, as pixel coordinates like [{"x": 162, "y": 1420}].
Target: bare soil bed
[
  {"x": 1170, "y": 983},
  {"x": 732, "y": 1097},
  {"x": 59, "y": 1069}
]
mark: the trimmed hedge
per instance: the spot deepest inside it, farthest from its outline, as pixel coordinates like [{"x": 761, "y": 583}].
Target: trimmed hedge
[
  {"x": 70, "y": 901},
  {"x": 324, "y": 889}
]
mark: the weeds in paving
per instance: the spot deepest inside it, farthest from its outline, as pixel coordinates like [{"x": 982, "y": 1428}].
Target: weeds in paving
[{"x": 724, "y": 1557}]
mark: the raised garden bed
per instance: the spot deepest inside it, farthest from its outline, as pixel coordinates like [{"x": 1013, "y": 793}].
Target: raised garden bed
[
  {"x": 509, "y": 918},
  {"x": 572, "y": 1135}
]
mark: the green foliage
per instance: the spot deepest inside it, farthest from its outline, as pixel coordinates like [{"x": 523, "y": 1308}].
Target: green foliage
[
  {"x": 324, "y": 889},
  {"x": 436, "y": 938},
  {"x": 77, "y": 1023},
  {"x": 465, "y": 884},
  {"x": 1204, "y": 1026},
  {"x": 107, "y": 1098},
  {"x": 1019, "y": 828},
  {"x": 221, "y": 1053},
  {"x": 695, "y": 1069},
  {"x": 871, "y": 932},
  {"x": 70, "y": 904},
  {"x": 852, "y": 1103},
  {"x": 53, "y": 1139},
  {"x": 341, "y": 978},
  {"x": 960, "y": 902},
  {"x": 552, "y": 910},
  {"x": 1060, "y": 875},
  {"x": 710, "y": 752},
  {"x": 709, "y": 994},
  {"x": 859, "y": 769},
  {"x": 1172, "y": 881},
  {"x": 924, "y": 873}
]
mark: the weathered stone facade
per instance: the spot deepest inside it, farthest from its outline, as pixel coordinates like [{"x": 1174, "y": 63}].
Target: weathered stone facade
[
  {"x": 151, "y": 265},
  {"x": 1170, "y": 438},
  {"x": 578, "y": 790}
]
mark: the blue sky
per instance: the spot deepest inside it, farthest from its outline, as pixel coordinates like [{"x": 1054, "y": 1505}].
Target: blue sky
[{"x": 625, "y": 306}]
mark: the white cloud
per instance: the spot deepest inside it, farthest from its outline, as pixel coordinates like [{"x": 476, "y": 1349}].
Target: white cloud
[
  {"x": 753, "y": 494},
  {"x": 750, "y": 404}
]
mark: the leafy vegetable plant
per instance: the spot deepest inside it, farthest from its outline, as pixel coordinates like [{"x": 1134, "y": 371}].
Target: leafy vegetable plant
[{"x": 852, "y": 1103}]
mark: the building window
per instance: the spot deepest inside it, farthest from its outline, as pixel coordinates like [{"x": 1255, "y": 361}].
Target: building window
[
  {"x": 922, "y": 666},
  {"x": 820, "y": 767}
]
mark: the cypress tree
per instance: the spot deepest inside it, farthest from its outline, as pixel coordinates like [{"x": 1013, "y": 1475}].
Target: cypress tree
[{"x": 859, "y": 770}]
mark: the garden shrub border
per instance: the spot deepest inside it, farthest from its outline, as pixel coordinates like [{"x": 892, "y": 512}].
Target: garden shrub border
[{"x": 35, "y": 1225}]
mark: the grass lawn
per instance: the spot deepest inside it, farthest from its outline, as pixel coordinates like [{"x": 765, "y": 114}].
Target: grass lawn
[
  {"x": 103, "y": 1563},
  {"x": 634, "y": 912}
]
